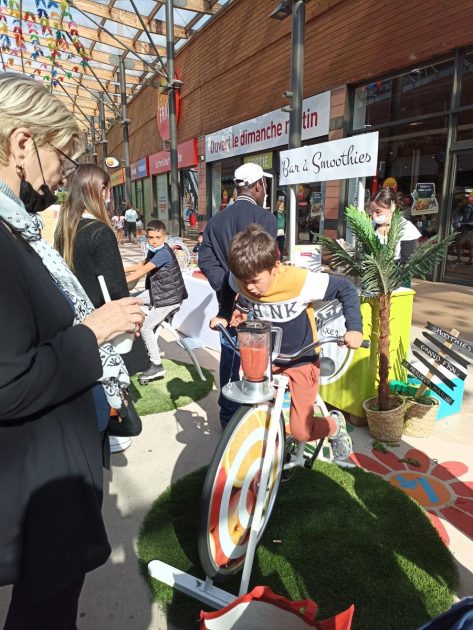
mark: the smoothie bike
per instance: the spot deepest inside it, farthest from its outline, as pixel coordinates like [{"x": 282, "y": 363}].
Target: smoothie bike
[{"x": 253, "y": 455}]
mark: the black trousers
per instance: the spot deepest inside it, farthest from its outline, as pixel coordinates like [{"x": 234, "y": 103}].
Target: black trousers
[{"x": 57, "y": 613}]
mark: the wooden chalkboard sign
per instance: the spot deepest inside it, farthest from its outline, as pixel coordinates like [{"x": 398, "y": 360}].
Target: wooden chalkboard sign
[{"x": 435, "y": 357}]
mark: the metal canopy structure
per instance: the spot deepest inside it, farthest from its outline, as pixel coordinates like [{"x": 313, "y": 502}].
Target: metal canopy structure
[{"x": 78, "y": 46}]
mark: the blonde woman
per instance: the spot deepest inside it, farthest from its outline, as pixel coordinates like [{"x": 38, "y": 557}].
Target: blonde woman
[{"x": 53, "y": 350}]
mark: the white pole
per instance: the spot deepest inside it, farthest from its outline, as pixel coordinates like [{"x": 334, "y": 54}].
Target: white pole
[
  {"x": 361, "y": 193},
  {"x": 292, "y": 224}
]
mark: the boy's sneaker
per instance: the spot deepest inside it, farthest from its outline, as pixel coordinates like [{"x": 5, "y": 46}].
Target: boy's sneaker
[
  {"x": 341, "y": 442},
  {"x": 152, "y": 373},
  {"x": 118, "y": 444}
]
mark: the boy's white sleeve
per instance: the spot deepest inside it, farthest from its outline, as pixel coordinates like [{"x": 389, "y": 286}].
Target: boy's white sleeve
[{"x": 315, "y": 286}]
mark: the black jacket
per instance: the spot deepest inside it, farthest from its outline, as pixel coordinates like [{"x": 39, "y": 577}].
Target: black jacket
[
  {"x": 96, "y": 253},
  {"x": 166, "y": 285},
  {"x": 220, "y": 230},
  {"x": 51, "y": 527}
]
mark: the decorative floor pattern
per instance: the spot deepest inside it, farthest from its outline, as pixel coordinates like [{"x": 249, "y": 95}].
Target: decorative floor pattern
[{"x": 435, "y": 486}]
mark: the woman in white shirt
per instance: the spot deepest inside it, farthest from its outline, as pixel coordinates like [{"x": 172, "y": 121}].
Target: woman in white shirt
[{"x": 382, "y": 207}]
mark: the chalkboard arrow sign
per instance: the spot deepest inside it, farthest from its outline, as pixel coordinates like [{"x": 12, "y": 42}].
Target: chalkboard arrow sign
[
  {"x": 451, "y": 353},
  {"x": 434, "y": 370},
  {"x": 439, "y": 359},
  {"x": 415, "y": 372},
  {"x": 462, "y": 346}
]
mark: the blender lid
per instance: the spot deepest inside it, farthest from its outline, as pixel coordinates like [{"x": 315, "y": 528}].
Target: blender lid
[{"x": 254, "y": 326}]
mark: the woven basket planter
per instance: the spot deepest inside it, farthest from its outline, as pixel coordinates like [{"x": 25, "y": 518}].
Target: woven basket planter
[
  {"x": 419, "y": 418},
  {"x": 386, "y": 426}
]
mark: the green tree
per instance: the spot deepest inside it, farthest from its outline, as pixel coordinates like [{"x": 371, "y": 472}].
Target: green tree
[{"x": 380, "y": 274}]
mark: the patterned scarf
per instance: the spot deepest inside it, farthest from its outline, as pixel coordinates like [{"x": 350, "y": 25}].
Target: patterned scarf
[{"x": 13, "y": 212}]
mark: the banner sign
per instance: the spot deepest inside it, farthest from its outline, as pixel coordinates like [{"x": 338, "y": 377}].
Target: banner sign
[
  {"x": 162, "y": 106},
  {"x": 139, "y": 169},
  {"x": 440, "y": 359},
  {"x": 265, "y": 160},
  {"x": 432, "y": 386},
  {"x": 340, "y": 159},
  {"x": 448, "y": 351},
  {"x": 269, "y": 130},
  {"x": 463, "y": 346},
  {"x": 186, "y": 158}
]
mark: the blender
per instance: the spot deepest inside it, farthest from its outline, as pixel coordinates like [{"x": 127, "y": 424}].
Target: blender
[{"x": 256, "y": 355}]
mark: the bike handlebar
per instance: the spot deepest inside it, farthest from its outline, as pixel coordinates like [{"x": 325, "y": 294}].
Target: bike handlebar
[{"x": 287, "y": 358}]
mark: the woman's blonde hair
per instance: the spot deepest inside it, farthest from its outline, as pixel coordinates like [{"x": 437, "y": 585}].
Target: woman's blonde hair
[
  {"x": 25, "y": 102},
  {"x": 84, "y": 195}
]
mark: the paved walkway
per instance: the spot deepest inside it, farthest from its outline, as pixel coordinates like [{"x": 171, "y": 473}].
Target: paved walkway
[{"x": 116, "y": 597}]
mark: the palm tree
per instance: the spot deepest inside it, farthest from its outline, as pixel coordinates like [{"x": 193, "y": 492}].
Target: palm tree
[{"x": 380, "y": 274}]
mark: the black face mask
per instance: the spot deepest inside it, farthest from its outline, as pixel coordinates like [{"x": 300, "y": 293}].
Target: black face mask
[{"x": 35, "y": 201}]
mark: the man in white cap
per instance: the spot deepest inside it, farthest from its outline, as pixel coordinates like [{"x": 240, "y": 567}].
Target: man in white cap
[{"x": 248, "y": 208}]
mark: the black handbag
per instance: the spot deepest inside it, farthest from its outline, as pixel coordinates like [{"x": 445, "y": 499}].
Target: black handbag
[{"x": 128, "y": 422}]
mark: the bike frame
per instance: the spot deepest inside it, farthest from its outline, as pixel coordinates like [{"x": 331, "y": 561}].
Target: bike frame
[{"x": 205, "y": 590}]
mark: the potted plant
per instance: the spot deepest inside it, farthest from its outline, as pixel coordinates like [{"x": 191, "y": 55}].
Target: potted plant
[{"x": 374, "y": 264}]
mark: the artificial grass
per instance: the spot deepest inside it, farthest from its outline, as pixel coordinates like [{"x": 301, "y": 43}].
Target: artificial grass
[
  {"x": 180, "y": 386},
  {"x": 338, "y": 536}
]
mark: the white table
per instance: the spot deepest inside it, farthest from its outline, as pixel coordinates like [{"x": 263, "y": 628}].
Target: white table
[{"x": 193, "y": 318}]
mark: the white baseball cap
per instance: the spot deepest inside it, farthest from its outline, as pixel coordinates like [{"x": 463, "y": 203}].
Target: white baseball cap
[{"x": 249, "y": 173}]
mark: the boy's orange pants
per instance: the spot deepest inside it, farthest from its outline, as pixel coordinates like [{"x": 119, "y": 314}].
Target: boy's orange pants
[{"x": 304, "y": 381}]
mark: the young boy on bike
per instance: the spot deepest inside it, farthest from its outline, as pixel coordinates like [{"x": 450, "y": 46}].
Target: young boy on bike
[
  {"x": 166, "y": 291},
  {"x": 284, "y": 295}
]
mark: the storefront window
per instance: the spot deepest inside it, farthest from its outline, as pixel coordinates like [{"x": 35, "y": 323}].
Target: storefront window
[
  {"x": 419, "y": 92},
  {"x": 223, "y": 185},
  {"x": 161, "y": 196},
  {"x": 138, "y": 196},
  {"x": 190, "y": 197},
  {"x": 411, "y": 159},
  {"x": 310, "y": 210}
]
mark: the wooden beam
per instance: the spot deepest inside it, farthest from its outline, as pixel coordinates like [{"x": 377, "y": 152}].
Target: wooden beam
[
  {"x": 202, "y": 6},
  {"x": 142, "y": 48},
  {"x": 70, "y": 105},
  {"x": 129, "y": 18}
]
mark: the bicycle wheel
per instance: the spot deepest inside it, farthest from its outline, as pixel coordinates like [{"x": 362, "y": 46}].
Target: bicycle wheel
[{"x": 230, "y": 490}]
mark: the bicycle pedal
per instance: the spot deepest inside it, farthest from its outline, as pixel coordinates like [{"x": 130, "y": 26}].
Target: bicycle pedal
[{"x": 308, "y": 461}]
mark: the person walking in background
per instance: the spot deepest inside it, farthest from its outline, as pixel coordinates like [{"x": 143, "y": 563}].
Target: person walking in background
[
  {"x": 213, "y": 257},
  {"x": 281, "y": 227},
  {"x": 131, "y": 217},
  {"x": 86, "y": 241},
  {"x": 54, "y": 348},
  {"x": 118, "y": 222},
  {"x": 166, "y": 291},
  {"x": 197, "y": 247}
]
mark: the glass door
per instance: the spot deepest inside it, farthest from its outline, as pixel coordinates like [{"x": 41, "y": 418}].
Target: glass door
[{"x": 459, "y": 263}]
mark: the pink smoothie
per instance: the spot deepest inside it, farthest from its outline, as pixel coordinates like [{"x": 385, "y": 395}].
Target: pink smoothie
[{"x": 254, "y": 362}]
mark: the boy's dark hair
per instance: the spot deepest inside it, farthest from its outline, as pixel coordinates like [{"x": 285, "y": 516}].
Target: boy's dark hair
[
  {"x": 252, "y": 251},
  {"x": 201, "y": 233},
  {"x": 156, "y": 225}
]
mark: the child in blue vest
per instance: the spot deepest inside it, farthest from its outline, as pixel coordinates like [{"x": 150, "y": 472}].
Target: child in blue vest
[{"x": 166, "y": 291}]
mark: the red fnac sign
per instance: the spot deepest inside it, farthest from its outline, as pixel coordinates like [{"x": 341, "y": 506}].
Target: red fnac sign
[{"x": 162, "y": 115}]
